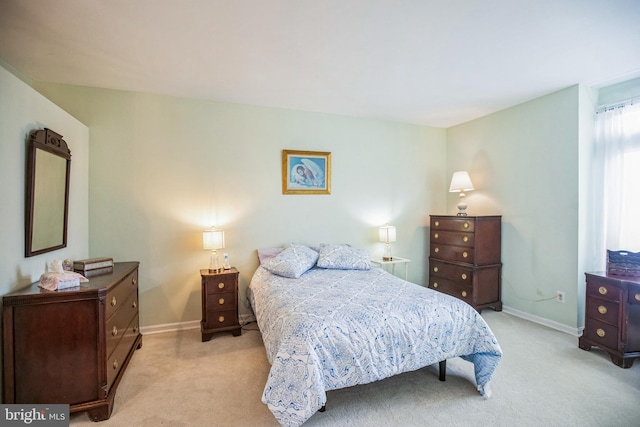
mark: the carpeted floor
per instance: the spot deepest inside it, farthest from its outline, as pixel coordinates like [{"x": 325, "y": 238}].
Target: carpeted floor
[{"x": 544, "y": 379}]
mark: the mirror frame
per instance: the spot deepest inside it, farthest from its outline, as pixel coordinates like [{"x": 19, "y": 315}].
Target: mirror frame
[{"x": 51, "y": 142}]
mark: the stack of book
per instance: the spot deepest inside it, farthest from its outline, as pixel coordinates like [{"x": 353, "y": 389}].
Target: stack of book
[{"x": 93, "y": 266}]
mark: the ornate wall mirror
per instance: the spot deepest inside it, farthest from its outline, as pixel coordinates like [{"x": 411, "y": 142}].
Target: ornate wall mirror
[{"x": 47, "y": 195}]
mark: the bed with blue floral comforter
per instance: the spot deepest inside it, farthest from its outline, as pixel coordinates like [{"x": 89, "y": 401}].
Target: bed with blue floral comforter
[{"x": 332, "y": 328}]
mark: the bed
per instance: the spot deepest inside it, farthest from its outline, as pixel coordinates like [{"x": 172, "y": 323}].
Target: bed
[{"x": 330, "y": 320}]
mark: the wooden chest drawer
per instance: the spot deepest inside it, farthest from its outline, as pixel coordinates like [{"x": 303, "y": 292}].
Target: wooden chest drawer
[
  {"x": 221, "y": 319},
  {"x": 604, "y": 289},
  {"x": 453, "y": 224},
  {"x": 119, "y": 294},
  {"x": 221, "y": 302},
  {"x": 602, "y": 333},
  {"x": 453, "y": 288},
  {"x": 115, "y": 361},
  {"x": 220, "y": 284},
  {"x": 439, "y": 237},
  {"x": 118, "y": 323},
  {"x": 450, "y": 271},
  {"x": 453, "y": 253},
  {"x": 603, "y": 310}
]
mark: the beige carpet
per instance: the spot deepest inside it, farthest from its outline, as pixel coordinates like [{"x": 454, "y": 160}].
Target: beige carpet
[{"x": 544, "y": 379}]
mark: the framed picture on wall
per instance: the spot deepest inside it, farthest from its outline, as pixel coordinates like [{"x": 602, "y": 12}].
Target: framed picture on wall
[{"x": 306, "y": 172}]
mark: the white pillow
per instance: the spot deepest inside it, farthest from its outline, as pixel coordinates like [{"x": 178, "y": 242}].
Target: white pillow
[
  {"x": 343, "y": 257},
  {"x": 292, "y": 262}
]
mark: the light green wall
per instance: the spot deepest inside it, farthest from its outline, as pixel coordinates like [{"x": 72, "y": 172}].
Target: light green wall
[
  {"x": 162, "y": 169},
  {"x": 22, "y": 110},
  {"x": 524, "y": 162}
]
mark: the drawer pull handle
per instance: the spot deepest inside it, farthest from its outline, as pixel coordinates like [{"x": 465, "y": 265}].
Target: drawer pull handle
[
  {"x": 600, "y": 332},
  {"x": 436, "y": 250},
  {"x": 113, "y": 302},
  {"x": 464, "y": 276},
  {"x": 464, "y": 254},
  {"x": 602, "y": 290},
  {"x": 220, "y": 285},
  {"x": 435, "y": 270},
  {"x": 134, "y": 304},
  {"x": 135, "y": 329},
  {"x": 464, "y": 293},
  {"x": 465, "y": 239},
  {"x": 114, "y": 332},
  {"x": 221, "y": 301},
  {"x": 602, "y": 309},
  {"x": 435, "y": 284},
  {"x": 466, "y": 225},
  {"x": 637, "y": 297},
  {"x": 221, "y": 319},
  {"x": 435, "y": 236},
  {"x": 115, "y": 365},
  {"x": 134, "y": 281},
  {"x": 437, "y": 223}
]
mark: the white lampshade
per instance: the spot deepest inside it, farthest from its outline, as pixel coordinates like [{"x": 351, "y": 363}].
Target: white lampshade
[
  {"x": 460, "y": 182},
  {"x": 387, "y": 233},
  {"x": 213, "y": 239}
]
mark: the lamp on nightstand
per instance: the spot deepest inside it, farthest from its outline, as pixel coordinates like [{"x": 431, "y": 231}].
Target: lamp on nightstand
[
  {"x": 213, "y": 240},
  {"x": 387, "y": 235},
  {"x": 460, "y": 182}
]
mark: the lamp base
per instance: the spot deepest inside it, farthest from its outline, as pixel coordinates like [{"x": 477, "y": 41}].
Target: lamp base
[{"x": 462, "y": 206}]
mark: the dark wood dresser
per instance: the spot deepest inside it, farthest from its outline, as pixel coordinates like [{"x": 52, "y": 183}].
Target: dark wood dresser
[
  {"x": 71, "y": 346},
  {"x": 464, "y": 259},
  {"x": 612, "y": 317},
  {"x": 219, "y": 303}
]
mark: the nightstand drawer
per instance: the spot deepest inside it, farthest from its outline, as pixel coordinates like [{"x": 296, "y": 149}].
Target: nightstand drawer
[
  {"x": 221, "y": 319},
  {"x": 601, "y": 333},
  {"x": 219, "y": 302},
  {"x": 441, "y": 237},
  {"x": 220, "y": 284},
  {"x": 603, "y": 310}
]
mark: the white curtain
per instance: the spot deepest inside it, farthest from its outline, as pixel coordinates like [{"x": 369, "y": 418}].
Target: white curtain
[{"x": 616, "y": 177}]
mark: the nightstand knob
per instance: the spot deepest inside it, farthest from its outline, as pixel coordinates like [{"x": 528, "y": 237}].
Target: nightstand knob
[
  {"x": 602, "y": 290},
  {"x": 436, "y": 235},
  {"x": 135, "y": 329},
  {"x": 637, "y": 297},
  {"x": 464, "y": 276},
  {"x": 115, "y": 364},
  {"x": 602, "y": 309},
  {"x": 220, "y": 285},
  {"x": 134, "y": 304},
  {"x": 435, "y": 269},
  {"x": 466, "y": 225},
  {"x": 600, "y": 332},
  {"x": 114, "y": 332},
  {"x": 464, "y": 293},
  {"x": 134, "y": 281},
  {"x": 113, "y": 302},
  {"x": 221, "y": 301},
  {"x": 464, "y": 254},
  {"x": 437, "y": 223},
  {"x": 465, "y": 239},
  {"x": 436, "y": 250},
  {"x": 435, "y": 284},
  {"x": 221, "y": 319}
]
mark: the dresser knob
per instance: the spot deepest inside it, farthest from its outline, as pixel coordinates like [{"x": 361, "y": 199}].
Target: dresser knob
[
  {"x": 435, "y": 269},
  {"x": 436, "y": 250},
  {"x": 221, "y": 319},
  {"x": 221, "y": 301},
  {"x": 637, "y": 297},
  {"x": 114, "y": 332},
  {"x": 113, "y": 302},
  {"x": 465, "y": 239},
  {"x": 464, "y": 254},
  {"x": 602, "y": 290},
  {"x": 134, "y": 304},
  {"x": 115, "y": 365},
  {"x": 602, "y": 309},
  {"x": 600, "y": 332},
  {"x": 135, "y": 329},
  {"x": 435, "y": 284},
  {"x": 464, "y": 276},
  {"x": 134, "y": 281},
  {"x": 220, "y": 285},
  {"x": 437, "y": 223},
  {"x": 464, "y": 293},
  {"x": 466, "y": 225},
  {"x": 436, "y": 235}
]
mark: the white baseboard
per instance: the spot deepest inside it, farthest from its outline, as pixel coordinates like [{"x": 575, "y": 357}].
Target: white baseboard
[
  {"x": 183, "y": 326},
  {"x": 576, "y": 332}
]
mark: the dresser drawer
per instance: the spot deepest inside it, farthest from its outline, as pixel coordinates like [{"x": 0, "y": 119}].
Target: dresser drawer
[
  {"x": 220, "y": 284},
  {"x": 601, "y": 333},
  {"x": 452, "y": 238},
  {"x": 118, "y": 295},
  {"x": 452, "y": 253},
  {"x": 115, "y": 362},
  {"x": 600, "y": 288},
  {"x": 603, "y": 310},
  {"x": 456, "y": 289},
  {"x": 118, "y": 323},
  {"x": 453, "y": 224},
  {"x": 453, "y": 272}
]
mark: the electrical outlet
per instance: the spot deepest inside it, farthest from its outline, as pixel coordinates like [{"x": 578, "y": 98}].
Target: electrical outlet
[{"x": 560, "y": 296}]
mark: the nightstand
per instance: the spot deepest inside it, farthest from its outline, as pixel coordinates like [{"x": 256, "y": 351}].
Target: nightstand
[
  {"x": 394, "y": 261},
  {"x": 219, "y": 303}
]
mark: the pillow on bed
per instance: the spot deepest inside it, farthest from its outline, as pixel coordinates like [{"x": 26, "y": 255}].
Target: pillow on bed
[
  {"x": 292, "y": 262},
  {"x": 266, "y": 253},
  {"x": 343, "y": 257}
]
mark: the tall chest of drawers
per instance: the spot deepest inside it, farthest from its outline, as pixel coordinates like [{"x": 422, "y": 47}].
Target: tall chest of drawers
[
  {"x": 219, "y": 303},
  {"x": 71, "y": 346},
  {"x": 464, "y": 258},
  {"x": 612, "y": 317}
]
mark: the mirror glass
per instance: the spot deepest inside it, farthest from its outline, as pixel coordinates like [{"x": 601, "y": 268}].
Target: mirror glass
[{"x": 48, "y": 168}]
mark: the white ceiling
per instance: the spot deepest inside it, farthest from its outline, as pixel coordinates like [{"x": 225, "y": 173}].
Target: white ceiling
[{"x": 429, "y": 62}]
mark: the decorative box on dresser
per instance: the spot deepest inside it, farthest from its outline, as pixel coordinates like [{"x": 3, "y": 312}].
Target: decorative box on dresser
[
  {"x": 219, "y": 303},
  {"x": 71, "y": 346},
  {"x": 464, "y": 258},
  {"x": 612, "y": 317}
]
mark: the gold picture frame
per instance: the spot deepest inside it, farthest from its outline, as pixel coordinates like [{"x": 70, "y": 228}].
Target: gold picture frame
[{"x": 306, "y": 172}]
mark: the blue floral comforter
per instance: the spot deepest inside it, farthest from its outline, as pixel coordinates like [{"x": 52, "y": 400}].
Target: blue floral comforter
[{"x": 331, "y": 329}]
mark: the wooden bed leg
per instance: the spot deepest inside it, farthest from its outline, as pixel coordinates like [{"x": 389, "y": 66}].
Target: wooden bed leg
[
  {"x": 324, "y": 408},
  {"x": 443, "y": 370}
]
